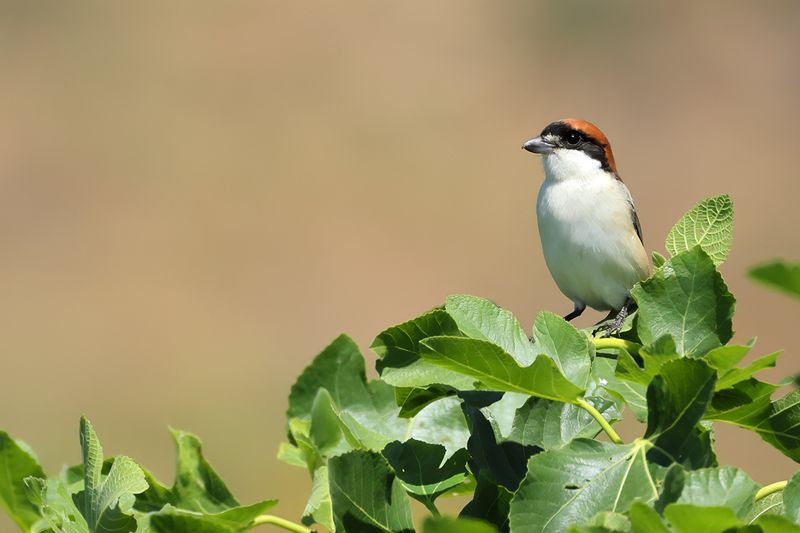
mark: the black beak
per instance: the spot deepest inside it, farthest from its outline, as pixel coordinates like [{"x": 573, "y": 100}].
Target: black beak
[{"x": 538, "y": 146}]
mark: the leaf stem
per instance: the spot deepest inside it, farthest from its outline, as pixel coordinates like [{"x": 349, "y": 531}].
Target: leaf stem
[
  {"x": 766, "y": 490},
  {"x": 613, "y": 435},
  {"x": 607, "y": 342},
  {"x": 280, "y": 522}
]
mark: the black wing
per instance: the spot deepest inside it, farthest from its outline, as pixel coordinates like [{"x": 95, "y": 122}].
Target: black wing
[{"x": 636, "y": 224}]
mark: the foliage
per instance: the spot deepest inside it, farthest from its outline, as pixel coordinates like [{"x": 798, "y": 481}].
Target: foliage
[
  {"x": 468, "y": 403},
  {"x": 116, "y": 495}
]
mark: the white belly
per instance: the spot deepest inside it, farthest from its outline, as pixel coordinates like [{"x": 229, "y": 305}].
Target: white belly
[{"x": 590, "y": 245}]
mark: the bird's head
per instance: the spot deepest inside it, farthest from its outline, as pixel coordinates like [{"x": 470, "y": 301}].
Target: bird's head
[{"x": 573, "y": 148}]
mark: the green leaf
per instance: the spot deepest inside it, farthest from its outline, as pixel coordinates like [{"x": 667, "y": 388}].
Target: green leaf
[
  {"x": 791, "y": 498},
  {"x": 198, "y": 501},
  {"x": 197, "y": 485},
  {"x": 318, "y": 508},
  {"x": 677, "y": 399},
  {"x": 781, "y": 427},
  {"x": 17, "y": 462},
  {"x": 504, "y": 461},
  {"x": 726, "y": 358},
  {"x": 632, "y": 393},
  {"x": 550, "y": 425},
  {"x": 688, "y": 300},
  {"x": 339, "y": 369},
  {"x": 346, "y": 412},
  {"x": 719, "y": 487},
  {"x": 604, "y": 522},
  {"x": 398, "y": 349},
  {"x": 479, "y": 318},
  {"x": 497, "y": 370},
  {"x": 735, "y": 375},
  {"x": 108, "y": 500},
  {"x": 366, "y": 495},
  {"x": 776, "y": 524},
  {"x": 744, "y": 404},
  {"x": 445, "y": 524},
  {"x": 173, "y": 520},
  {"x": 491, "y": 502},
  {"x": 327, "y": 430},
  {"x": 709, "y": 225},
  {"x": 398, "y": 345},
  {"x": 441, "y": 422},
  {"x": 571, "y": 485},
  {"x": 57, "y": 505},
  {"x": 686, "y": 518},
  {"x": 413, "y": 399},
  {"x": 779, "y": 275},
  {"x": 291, "y": 455},
  {"x": 423, "y": 470},
  {"x": 568, "y": 347},
  {"x": 772, "y": 504},
  {"x": 658, "y": 259},
  {"x": 645, "y": 519},
  {"x": 502, "y": 412},
  {"x": 747, "y": 405}
]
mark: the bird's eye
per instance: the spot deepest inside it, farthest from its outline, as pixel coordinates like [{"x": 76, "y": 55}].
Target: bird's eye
[{"x": 573, "y": 138}]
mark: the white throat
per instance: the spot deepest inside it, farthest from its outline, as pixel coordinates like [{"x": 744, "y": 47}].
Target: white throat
[{"x": 564, "y": 164}]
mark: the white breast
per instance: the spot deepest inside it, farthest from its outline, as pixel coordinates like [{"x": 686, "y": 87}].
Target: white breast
[{"x": 585, "y": 223}]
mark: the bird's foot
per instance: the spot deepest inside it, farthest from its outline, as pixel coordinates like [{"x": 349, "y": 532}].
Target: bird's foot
[{"x": 610, "y": 326}]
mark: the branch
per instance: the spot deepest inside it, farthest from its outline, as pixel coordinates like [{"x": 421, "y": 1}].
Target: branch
[
  {"x": 280, "y": 522},
  {"x": 613, "y": 435},
  {"x": 619, "y": 344}
]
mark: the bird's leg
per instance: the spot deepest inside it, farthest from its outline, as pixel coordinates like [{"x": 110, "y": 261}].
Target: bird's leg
[
  {"x": 616, "y": 324},
  {"x": 576, "y": 312}
]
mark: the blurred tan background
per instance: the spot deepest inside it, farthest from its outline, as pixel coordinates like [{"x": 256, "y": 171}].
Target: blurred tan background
[{"x": 195, "y": 197}]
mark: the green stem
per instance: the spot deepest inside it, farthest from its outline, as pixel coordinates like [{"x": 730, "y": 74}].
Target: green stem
[
  {"x": 766, "y": 490},
  {"x": 613, "y": 435},
  {"x": 280, "y": 522},
  {"x": 607, "y": 342}
]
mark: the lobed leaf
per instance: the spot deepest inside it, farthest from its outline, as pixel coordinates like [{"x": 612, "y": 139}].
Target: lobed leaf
[
  {"x": 571, "y": 485},
  {"x": 479, "y": 318},
  {"x": 59, "y": 510},
  {"x": 501, "y": 461},
  {"x": 423, "y": 470},
  {"x": 197, "y": 485},
  {"x": 497, "y": 370},
  {"x": 688, "y": 300},
  {"x": 748, "y": 405},
  {"x": 677, "y": 399},
  {"x": 318, "y": 508},
  {"x": 399, "y": 362},
  {"x": 490, "y": 502},
  {"x": 550, "y": 425},
  {"x": 686, "y": 518},
  {"x": 366, "y": 495},
  {"x": 721, "y": 487},
  {"x": 17, "y": 462},
  {"x": 709, "y": 225},
  {"x": 107, "y": 502},
  {"x": 735, "y": 375},
  {"x": 645, "y": 519},
  {"x": 632, "y": 393},
  {"x": 568, "y": 347}
]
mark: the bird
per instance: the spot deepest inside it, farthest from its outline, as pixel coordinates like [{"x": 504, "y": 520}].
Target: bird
[{"x": 590, "y": 233}]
